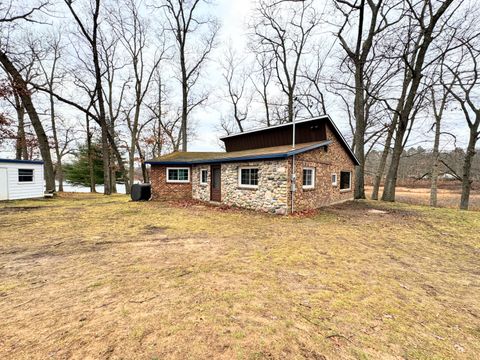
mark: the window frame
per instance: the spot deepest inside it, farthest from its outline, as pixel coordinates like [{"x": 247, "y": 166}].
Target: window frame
[
  {"x": 29, "y": 181},
  {"x": 349, "y": 181},
  {"x": 201, "y": 177},
  {"x": 334, "y": 183},
  {"x": 312, "y": 186},
  {"x": 177, "y": 181},
  {"x": 247, "y": 186}
]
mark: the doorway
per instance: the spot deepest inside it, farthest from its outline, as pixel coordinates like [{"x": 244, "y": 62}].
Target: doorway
[{"x": 216, "y": 183}]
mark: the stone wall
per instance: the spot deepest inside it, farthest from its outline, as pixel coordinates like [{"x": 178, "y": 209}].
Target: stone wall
[
  {"x": 200, "y": 191},
  {"x": 163, "y": 190},
  {"x": 326, "y": 163},
  {"x": 271, "y": 194}
]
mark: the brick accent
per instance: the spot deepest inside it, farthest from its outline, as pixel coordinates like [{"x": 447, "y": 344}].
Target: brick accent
[
  {"x": 163, "y": 190},
  {"x": 334, "y": 160}
]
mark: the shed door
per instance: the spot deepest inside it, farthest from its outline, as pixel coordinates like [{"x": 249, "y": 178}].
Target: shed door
[
  {"x": 216, "y": 183},
  {"x": 3, "y": 184}
]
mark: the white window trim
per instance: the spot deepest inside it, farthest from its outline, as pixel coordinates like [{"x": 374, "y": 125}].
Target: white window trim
[
  {"x": 313, "y": 178},
  {"x": 201, "y": 171},
  {"x": 240, "y": 177},
  {"x": 349, "y": 183},
  {"x": 25, "y": 182},
  {"x": 178, "y": 181},
  {"x": 334, "y": 183}
]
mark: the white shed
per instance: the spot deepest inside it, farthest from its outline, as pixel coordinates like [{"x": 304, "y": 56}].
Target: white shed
[{"x": 21, "y": 179}]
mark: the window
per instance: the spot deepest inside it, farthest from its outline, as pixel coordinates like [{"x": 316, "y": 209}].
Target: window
[
  {"x": 308, "y": 178},
  {"x": 178, "y": 175},
  {"x": 345, "y": 180},
  {"x": 203, "y": 177},
  {"x": 248, "y": 177},
  {"x": 25, "y": 175},
  {"x": 334, "y": 179}
]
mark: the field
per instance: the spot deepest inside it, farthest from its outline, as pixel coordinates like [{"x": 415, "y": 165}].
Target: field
[
  {"x": 448, "y": 196},
  {"x": 92, "y": 277}
]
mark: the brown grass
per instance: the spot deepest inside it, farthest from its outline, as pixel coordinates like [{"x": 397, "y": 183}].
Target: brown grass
[
  {"x": 88, "y": 276},
  {"x": 449, "y": 198}
]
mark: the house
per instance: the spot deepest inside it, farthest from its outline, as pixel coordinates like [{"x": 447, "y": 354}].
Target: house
[
  {"x": 21, "y": 179},
  {"x": 263, "y": 170}
]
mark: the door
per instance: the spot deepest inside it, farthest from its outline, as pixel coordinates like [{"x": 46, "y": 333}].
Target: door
[
  {"x": 3, "y": 184},
  {"x": 216, "y": 183}
]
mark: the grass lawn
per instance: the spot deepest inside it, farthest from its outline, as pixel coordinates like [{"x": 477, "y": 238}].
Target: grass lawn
[{"x": 89, "y": 276}]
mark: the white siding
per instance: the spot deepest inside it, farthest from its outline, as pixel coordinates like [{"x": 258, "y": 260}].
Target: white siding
[{"x": 24, "y": 190}]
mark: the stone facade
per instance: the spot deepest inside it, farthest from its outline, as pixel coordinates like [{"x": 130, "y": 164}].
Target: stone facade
[
  {"x": 332, "y": 161},
  {"x": 200, "y": 191},
  {"x": 273, "y": 192},
  {"x": 163, "y": 190},
  {"x": 271, "y": 195}
]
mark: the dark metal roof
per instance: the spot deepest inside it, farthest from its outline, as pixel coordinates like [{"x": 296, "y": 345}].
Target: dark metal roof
[
  {"x": 21, "y": 161},
  {"x": 278, "y": 152}
]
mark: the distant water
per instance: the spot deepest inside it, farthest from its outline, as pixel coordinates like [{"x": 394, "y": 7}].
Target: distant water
[{"x": 67, "y": 187}]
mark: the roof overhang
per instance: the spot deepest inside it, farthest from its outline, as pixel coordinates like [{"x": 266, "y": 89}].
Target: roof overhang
[
  {"x": 11, "y": 161},
  {"x": 273, "y": 156}
]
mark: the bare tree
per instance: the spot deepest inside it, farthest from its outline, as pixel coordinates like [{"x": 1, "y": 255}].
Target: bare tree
[
  {"x": 21, "y": 86},
  {"x": 464, "y": 71},
  {"x": 261, "y": 79},
  {"x": 424, "y": 24},
  {"x": 378, "y": 13},
  {"x": 236, "y": 78},
  {"x": 185, "y": 22},
  {"x": 283, "y": 32}
]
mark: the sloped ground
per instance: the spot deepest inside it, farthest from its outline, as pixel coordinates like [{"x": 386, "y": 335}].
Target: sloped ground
[{"x": 88, "y": 276}]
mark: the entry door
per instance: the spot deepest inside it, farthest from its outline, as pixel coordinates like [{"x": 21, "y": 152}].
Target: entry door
[
  {"x": 3, "y": 184},
  {"x": 216, "y": 183}
]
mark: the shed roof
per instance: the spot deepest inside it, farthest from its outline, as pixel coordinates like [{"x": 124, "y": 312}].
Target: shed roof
[
  {"x": 276, "y": 152},
  {"x": 14, "y": 161}
]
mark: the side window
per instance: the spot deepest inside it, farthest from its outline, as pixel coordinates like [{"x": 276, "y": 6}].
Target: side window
[
  {"x": 308, "y": 181},
  {"x": 25, "y": 175},
  {"x": 203, "y": 176},
  {"x": 248, "y": 177},
  {"x": 180, "y": 175},
  {"x": 345, "y": 180},
  {"x": 334, "y": 179}
]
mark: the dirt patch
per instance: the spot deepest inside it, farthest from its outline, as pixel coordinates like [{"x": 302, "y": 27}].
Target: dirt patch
[
  {"x": 154, "y": 230},
  {"x": 15, "y": 209}
]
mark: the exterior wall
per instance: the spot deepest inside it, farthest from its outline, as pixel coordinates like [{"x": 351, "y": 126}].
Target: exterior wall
[
  {"x": 22, "y": 190},
  {"x": 163, "y": 190},
  {"x": 200, "y": 191},
  {"x": 271, "y": 194},
  {"x": 333, "y": 161}
]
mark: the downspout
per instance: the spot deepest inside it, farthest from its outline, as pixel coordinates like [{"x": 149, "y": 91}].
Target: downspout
[{"x": 294, "y": 176}]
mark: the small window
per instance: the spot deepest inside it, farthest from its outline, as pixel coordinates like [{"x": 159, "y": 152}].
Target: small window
[
  {"x": 345, "y": 180},
  {"x": 308, "y": 178},
  {"x": 248, "y": 177},
  {"x": 334, "y": 179},
  {"x": 179, "y": 175},
  {"x": 25, "y": 175},
  {"x": 203, "y": 176}
]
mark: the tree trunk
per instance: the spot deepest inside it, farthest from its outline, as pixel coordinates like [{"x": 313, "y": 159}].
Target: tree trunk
[
  {"x": 184, "y": 99},
  {"x": 21, "y": 151},
  {"x": 36, "y": 123},
  {"x": 467, "y": 167},
  {"x": 383, "y": 160},
  {"x": 359, "y": 135},
  {"x": 435, "y": 156},
  {"x": 90, "y": 157},
  {"x": 59, "y": 169}
]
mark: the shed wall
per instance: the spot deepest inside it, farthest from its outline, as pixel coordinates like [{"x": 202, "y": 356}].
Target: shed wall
[{"x": 24, "y": 190}]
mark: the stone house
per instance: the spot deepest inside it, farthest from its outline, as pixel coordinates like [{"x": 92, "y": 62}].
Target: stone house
[{"x": 263, "y": 170}]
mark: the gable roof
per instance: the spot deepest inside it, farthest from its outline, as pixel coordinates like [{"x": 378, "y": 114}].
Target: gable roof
[{"x": 276, "y": 152}]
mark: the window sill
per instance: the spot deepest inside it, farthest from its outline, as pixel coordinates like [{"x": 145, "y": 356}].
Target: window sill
[
  {"x": 308, "y": 188},
  {"x": 177, "y": 182},
  {"x": 345, "y": 190},
  {"x": 247, "y": 187},
  {"x": 203, "y": 184}
]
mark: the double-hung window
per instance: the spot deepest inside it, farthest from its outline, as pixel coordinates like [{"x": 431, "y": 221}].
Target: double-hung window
[
  {"x": 178, "y": 175},
  {"x": 203, "y": 177},
  {"x": 248, "y": 177},
  {"x": 345, "y": 180},
  {"x": 25, "y": 175},
  {"x": 308, "y": 178}
]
